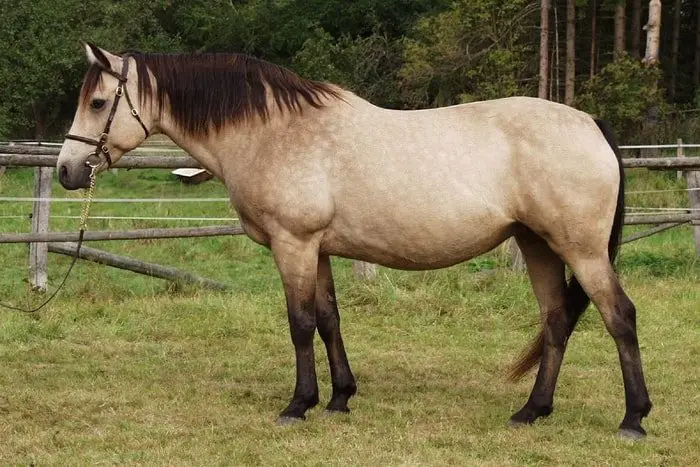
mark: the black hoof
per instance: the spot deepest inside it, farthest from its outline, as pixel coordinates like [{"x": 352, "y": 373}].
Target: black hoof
[
  {"x": 630, "y": 434},
  {"x": 284, "y": 420},
  {"x": 528, "y": 414}
]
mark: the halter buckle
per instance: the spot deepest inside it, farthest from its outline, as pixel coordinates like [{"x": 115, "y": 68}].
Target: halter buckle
[
  {"x": 103, "y": 137},
  {"x": 105, "y": 149},
  {"x": 134, "y": 113},
  {"x": 119, "y": 91}
]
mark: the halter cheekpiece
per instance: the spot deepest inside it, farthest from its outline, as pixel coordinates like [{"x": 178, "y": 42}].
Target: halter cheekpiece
[{"x": 101, "y": 144}]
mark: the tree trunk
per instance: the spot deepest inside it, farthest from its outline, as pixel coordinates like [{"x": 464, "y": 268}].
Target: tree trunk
[
  {"x": 696, "y": 71},
  {"x": 594, "y": 39},
  {"x": 557, "y": 69},
  {"x": 570, "y": 52},
  {"x": 653, "y": 29},
  {"x": 544, "y": 49},
  {"x": 636, "y": 27},
  {"x": 674, "y": 50},
  {"x": 619, "y": 29}
]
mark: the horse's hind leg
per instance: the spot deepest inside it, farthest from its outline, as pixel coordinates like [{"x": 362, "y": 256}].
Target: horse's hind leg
[
  {"x": 619, "y": 314},
  {"x": 546, "y": 271},
  {"x": 328, "y": 322}
]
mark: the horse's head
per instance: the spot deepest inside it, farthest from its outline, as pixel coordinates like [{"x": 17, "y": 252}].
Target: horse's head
[{"x": 108, "y": 121}]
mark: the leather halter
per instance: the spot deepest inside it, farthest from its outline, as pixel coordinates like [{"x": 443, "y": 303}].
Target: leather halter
[{"x": 101, "y": 144}]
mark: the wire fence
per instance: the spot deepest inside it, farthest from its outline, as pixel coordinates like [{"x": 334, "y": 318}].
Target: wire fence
[
  {"x": 116, "y": 200},
  {"x": 132, "y": 218}
]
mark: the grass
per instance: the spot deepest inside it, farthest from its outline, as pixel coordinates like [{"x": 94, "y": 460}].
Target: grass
[{"x": 127, "y": 369}]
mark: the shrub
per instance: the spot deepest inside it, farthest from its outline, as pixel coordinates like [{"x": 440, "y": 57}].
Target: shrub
[{"x": 626, "y": 94}]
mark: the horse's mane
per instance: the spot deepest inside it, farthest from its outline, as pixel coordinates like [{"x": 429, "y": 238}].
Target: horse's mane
[{"x": 212, "y": 89}]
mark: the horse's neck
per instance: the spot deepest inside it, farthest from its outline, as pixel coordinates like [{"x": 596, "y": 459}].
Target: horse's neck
[
  {"x": 233, "y": 149},
  {"x": 217, "y": 151}
]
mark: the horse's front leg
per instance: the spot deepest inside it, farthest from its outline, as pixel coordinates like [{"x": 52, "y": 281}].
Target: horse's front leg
[{"x": 297, "y": 260}]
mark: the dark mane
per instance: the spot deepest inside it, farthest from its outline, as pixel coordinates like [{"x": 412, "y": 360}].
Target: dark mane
[{"x": 209, "y": 90}]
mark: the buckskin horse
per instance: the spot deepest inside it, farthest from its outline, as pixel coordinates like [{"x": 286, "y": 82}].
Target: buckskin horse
[{"x": 314, "y": 170}]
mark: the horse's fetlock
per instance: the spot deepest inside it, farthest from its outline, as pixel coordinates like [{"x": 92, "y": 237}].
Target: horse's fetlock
[
  {"x": 348, "y": 388},
  {"x": 642, "y": 408}
]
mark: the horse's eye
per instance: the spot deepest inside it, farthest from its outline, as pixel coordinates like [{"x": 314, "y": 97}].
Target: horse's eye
[{"x": 97, "y": 103}]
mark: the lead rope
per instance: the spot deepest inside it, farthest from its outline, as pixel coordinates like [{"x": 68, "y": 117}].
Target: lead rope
[{"x": 83, "y": 227}]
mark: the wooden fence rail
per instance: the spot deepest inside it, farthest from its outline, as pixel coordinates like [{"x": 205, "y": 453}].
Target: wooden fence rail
[
  {"x": 47, "y": 156},
  {"x": 134, "y": 265},
  {"x": 125, "y": 162},
  {"x": 137, "y": 234},
  {"x": 37, "y": 157}
]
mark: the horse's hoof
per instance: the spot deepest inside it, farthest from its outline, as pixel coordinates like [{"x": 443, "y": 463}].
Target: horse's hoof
[
  {"x": 284, "y": 420},
  {"x": 630, "y": 435}
]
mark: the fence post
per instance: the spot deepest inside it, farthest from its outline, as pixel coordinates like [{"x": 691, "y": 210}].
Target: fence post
[
  {"x": 693, "y": 179},
  {"x": 38, "y": 252},
  {"x": 680, "y": 153},
  {"x": 364, "y": 271},
  {"x": 517, "y": 261}
]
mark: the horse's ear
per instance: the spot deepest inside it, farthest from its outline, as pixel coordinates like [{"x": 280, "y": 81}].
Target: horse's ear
[{"x": 100, "y": 57}]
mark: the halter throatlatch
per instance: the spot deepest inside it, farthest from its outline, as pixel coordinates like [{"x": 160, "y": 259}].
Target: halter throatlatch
[{"x": 101, "y": 144}]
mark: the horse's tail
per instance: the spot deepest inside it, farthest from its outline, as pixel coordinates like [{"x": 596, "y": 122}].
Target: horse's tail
[{"x": 576, "y": 299}]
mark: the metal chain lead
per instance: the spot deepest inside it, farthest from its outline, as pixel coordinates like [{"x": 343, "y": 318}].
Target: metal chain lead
[{"x": 88, "y": 199}]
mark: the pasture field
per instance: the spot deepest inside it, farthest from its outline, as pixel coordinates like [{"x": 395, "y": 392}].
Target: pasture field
[{"x": 127, "y": 369}]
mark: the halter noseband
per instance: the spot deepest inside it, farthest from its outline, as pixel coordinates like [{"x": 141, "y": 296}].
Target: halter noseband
[{"x": 101, "y": 144}]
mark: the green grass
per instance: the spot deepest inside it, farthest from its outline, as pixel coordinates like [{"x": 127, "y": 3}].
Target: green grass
[{"x": 126, "y": 369}]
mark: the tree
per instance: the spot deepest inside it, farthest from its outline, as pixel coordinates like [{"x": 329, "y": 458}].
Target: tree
[
  {"x": 570, "y": 79},
  {"x": 674, "y": 50},
  {"x": 636, "y": 27},
  {"x": 620, "y": 29},
  {"x": 696, "y": 69},
  {"x": 475, "y": 50},
  {"x": 594, "y": 38},
  {"x": 41, "y": 61},
  {"x": 544, "y": 49},
  {"x": 653, "y": 29}
]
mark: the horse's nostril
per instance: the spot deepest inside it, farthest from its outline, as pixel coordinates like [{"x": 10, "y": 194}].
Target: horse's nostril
[{"x": 62, "y": 173}]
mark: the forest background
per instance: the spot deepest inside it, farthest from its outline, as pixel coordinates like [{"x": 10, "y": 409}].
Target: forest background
[{"x": 402, "y": 54}]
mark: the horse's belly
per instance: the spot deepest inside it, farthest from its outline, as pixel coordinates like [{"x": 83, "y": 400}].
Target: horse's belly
[{"x": 415, "y": 246}]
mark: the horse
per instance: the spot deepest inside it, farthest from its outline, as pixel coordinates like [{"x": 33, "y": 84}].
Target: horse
[{"x": 315, "y": 171}]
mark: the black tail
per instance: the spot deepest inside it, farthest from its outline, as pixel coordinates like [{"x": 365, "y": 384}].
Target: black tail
[{"x": 576, "y": 299}]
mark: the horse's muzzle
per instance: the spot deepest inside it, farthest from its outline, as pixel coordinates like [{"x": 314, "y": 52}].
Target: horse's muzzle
[{"x": 74, "y": 177}]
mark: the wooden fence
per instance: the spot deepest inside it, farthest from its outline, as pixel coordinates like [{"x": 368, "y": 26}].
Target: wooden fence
[{"x": 44, "y": 159}]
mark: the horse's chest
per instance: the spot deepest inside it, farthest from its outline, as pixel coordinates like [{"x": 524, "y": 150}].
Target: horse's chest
[{"x": 268, "y": 207}]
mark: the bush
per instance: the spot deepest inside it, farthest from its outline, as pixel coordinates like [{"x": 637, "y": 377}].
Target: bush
[
  {"x": 626, "y": 94},
  {"x": 477, "y": 50}
]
